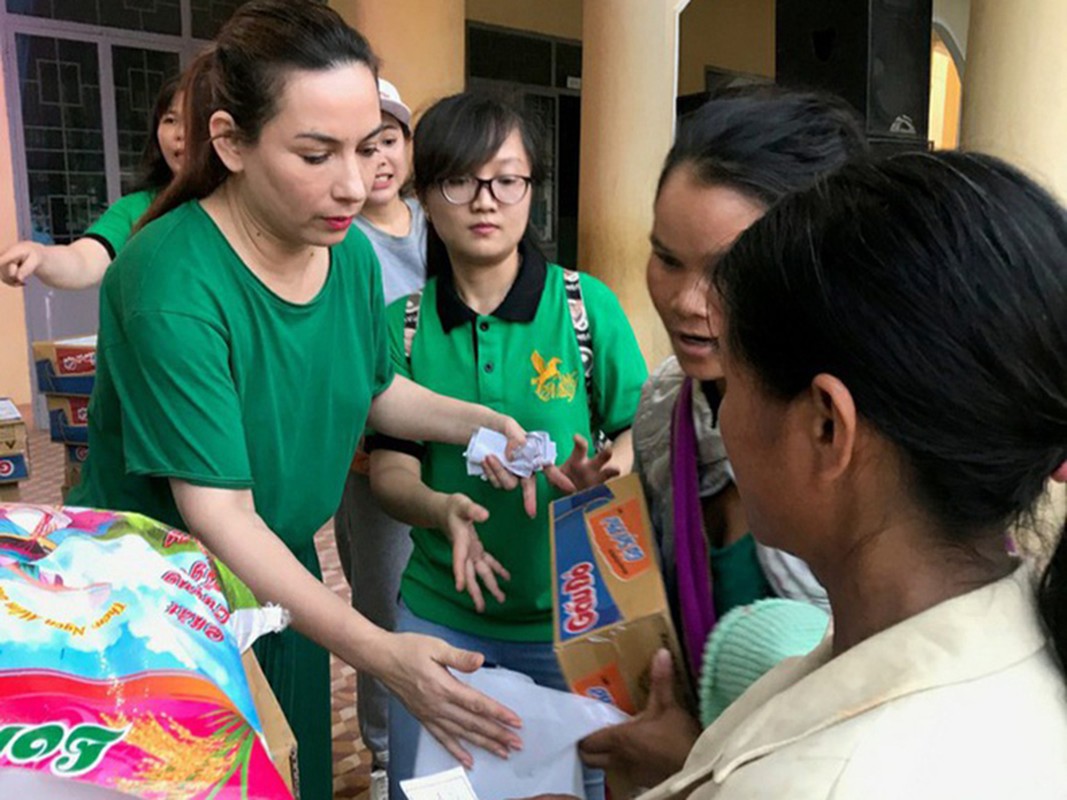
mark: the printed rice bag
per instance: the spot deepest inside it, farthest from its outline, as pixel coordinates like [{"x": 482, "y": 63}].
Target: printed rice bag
[{"x": 117, "y": 664}]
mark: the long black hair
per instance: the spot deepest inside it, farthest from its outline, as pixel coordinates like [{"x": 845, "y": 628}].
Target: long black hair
[
  {"x": 456, "y": 136},
  {"x": 764, "y": 141},
  {"x": 244, "y": 72},
  {"x": 935, "y": 287},
  {"x": 154, "y": 172}
]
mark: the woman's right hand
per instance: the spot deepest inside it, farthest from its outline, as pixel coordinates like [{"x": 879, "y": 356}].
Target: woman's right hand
[
  {"x": 416, "y": 670},
  {"x": 20, "y": 261},
  {"x": 471, "y": 562}
]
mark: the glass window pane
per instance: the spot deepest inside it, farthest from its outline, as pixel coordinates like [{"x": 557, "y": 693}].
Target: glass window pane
[
  {"x": 568, "y": 65},
  {"x": 209, "y": 15},
  {"x": 151, "y": 16},
  {"x": 543, "y": 208},
  {"x": 139, "y": 74},
  {"x": 509, "y": 57},
  {"x": 59, "y": 88}
]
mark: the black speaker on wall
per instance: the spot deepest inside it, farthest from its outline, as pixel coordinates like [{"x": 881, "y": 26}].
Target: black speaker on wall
[{"x": 874, "y": 53}]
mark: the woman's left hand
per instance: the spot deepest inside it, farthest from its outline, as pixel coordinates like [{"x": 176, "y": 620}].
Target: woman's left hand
[
  {"x": 653, "y": 745},
  {"x": 583, "y": 471},
  {"x": 498, "y": 475}
]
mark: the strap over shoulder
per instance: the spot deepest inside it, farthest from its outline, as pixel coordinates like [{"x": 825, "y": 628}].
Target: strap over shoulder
[{"x": 411, "y": 321}]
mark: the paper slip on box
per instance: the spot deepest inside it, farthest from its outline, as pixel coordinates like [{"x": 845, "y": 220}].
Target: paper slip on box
[
  {"x": 610, "y": 608},
  {"x": 68, "y": 418},
  {"x": 12, "y": 429},
  {"x": 66, "y": 366},
  {"x": 14, "y": 467}
]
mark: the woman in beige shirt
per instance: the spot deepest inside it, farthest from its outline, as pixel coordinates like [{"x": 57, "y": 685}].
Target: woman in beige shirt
[{"x": 895, "y": 349}]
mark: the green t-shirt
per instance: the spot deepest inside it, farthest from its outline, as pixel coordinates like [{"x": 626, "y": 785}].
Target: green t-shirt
[
  {"x": 204, "y": 374},
  {"x": 737, "y": 578},
  {"x": 113, "y": 228},
  {"x": 522, "y": 360}
]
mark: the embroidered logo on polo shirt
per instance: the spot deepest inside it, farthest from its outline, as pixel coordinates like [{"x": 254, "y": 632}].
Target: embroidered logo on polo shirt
[{"x": 552, "y": 383}]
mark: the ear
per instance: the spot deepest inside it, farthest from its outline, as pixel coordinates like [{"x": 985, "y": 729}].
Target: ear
[
  {"x": 832, "y": 425},
  {"x": 225, "y": 138}
]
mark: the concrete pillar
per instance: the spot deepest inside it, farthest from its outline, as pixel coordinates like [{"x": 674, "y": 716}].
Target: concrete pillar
[
  {"x": 1012, "y": 108},
  {"x": 422, "y": 44},
  {"x": 1013, "y": 86},
  {"x": 629, "y": 79}
]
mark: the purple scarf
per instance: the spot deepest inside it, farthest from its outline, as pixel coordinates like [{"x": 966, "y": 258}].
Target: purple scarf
[{"x": 692, "y": 566}]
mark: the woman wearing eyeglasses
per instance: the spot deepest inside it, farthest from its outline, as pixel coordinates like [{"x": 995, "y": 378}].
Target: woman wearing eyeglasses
[{"x": 494, "y": 324}]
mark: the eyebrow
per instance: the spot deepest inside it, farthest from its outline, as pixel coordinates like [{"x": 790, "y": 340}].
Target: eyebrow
[
  {"x": 374, "y": 132},
  {"x": 657, "y": 244},
  {"x": 710, "y": 258},
  {"x": 318, "y": 137},
  {"x": 508, "y": 160}
]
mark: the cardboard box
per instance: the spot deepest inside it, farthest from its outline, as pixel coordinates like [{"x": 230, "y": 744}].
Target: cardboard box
[
  {"x": 66, "y": 366},
  {"x": 609, "y": 604},
  {"x": 280, "y": 740},
  {"x": 9, "y": 493},
  {"x": 77, "y": 453},
  {"x": 72, "y": 475},
  {"x": 13, "y": 439},
  {"x": 14, "y": 467},
  {"x": 68, "y": 418}
]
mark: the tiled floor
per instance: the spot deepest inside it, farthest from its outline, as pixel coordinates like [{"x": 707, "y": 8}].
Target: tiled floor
[{"x": 351, "y": 761}]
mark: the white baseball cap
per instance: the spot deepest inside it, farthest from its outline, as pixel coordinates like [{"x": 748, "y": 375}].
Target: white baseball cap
[{"x": 392, "y": 104}]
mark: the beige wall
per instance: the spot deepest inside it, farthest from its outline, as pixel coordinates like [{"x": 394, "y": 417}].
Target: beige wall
[
  {"x": 551, "y": 17},
  {"x": 14, "y": 363},
  {"x": 737, "y": 35},
  {"x": 732, "y": 34},
  {"x": 421, "y": 44},
  {"x": 1013, "y": 84}
]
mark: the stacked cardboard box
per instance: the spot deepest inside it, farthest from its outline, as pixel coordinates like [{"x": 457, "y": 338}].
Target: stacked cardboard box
[
  {"x": 66, "y": 371},
  {"x": 14, "y": 451}
]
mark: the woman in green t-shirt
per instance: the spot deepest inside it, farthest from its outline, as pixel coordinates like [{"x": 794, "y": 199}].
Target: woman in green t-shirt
[
  {"x": 242, "y": 349},
  {"x": 81, "y": 264},
  {"x": 495, "y": 325}
]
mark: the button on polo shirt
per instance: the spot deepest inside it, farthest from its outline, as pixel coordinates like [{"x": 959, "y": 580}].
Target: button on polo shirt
[{"x": 521, "y": 360}]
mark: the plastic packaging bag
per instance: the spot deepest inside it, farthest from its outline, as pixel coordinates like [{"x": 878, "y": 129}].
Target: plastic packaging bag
[{"x": 117, "y": 665}]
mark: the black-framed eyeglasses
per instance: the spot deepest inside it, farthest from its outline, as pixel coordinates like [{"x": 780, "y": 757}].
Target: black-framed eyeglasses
[{"x": 505, "y": 189}]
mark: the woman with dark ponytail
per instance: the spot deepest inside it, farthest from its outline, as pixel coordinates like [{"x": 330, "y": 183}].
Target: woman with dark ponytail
[
  {"x": 242, "y": 349},
  {"x": 894, "y": 343}
]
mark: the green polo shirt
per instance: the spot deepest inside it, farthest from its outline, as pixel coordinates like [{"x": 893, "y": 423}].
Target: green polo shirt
[
  {"x": 205, "y": 374},
  {"x": 116, "y": 224},
  {"x": 522, "y": 360}
]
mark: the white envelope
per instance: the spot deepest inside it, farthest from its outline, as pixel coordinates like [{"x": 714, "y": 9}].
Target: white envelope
[{"x": 553, "y": 723}]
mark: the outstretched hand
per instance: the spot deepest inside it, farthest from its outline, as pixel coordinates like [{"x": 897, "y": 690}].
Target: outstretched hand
[
  {"x": 19, "y": 262},
  {"x": 583, "y": 471},
  {"x": 449, "y": 709},
  {"x": 472, "y": 565}
]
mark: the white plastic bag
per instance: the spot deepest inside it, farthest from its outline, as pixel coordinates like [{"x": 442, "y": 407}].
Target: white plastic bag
[{"x": 553, "y": 723}]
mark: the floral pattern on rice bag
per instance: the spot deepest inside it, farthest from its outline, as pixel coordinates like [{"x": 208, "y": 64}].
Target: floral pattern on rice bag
[{"x": 116, "y": 664}]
